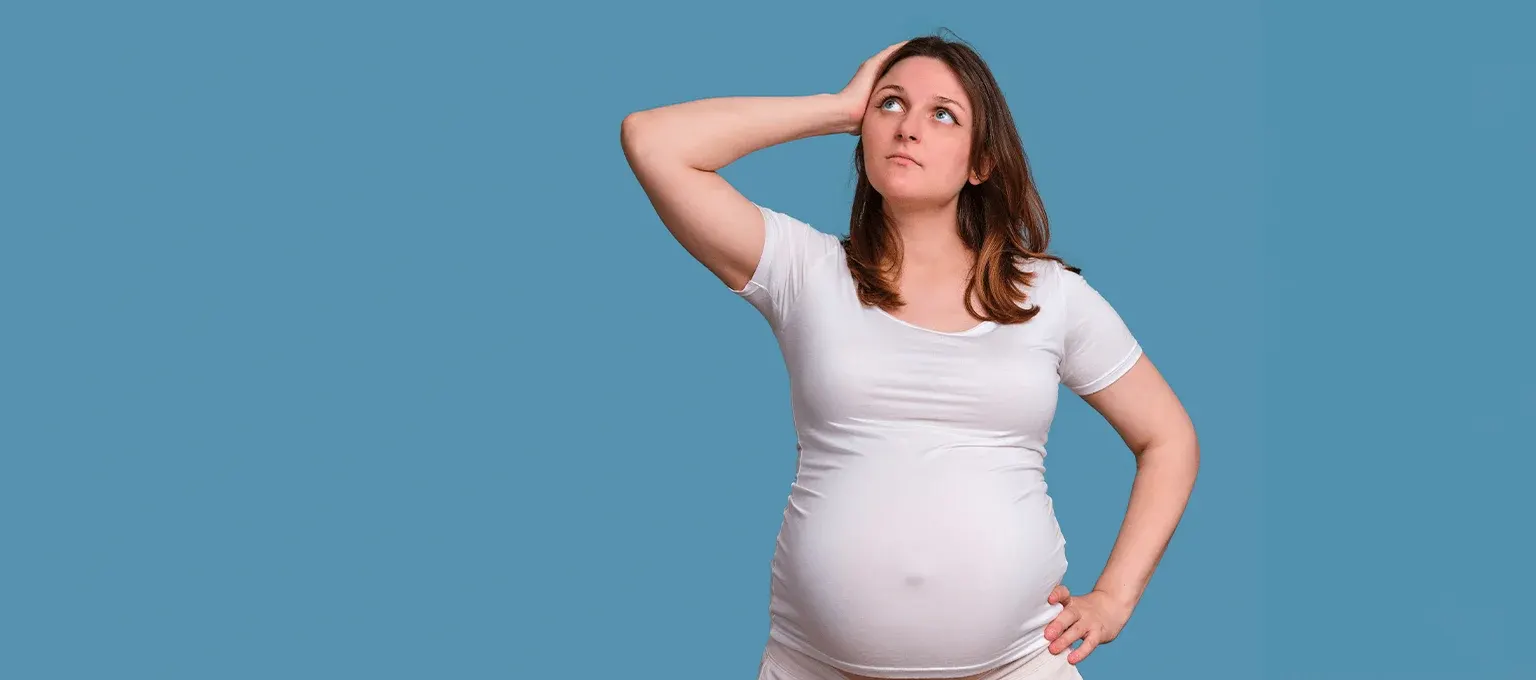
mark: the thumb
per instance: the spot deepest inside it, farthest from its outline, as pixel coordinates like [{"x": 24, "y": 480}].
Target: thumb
[{"x": 1059, "y": 595}]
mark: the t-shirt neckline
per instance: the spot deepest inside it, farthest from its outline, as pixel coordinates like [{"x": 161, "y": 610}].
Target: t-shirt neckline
[{"x": 981, "y": 328}]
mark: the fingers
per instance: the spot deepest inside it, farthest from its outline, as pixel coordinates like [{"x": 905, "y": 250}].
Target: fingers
[
  {"x": 872, "y": 64},
  {"x": 1090, "y": 641},
  {"x": 1074, "y": 632},
  {"x": 857, "y": 91},
  {"x": 878, "y": 58},
  {"x": 1062, "y": 623},
  {"x": 882, "y": 54}
]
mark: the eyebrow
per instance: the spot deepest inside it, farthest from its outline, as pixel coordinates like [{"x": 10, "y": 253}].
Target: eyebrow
[{"x": 941, "y": 98}]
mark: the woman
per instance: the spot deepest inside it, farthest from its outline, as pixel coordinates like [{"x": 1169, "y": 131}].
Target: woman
[{"x": 925, "y": 352}]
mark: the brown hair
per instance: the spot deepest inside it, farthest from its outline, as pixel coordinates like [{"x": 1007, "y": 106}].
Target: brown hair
[{"x": 1002, "y": 219}]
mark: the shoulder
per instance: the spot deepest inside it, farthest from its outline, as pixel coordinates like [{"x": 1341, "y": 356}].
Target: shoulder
[
  {"x": 1045, "y": 275},
  {"x": 794, "y": 258},
  {"x": 791, "y": 230},
  {"x": 1040, "y": 265}
]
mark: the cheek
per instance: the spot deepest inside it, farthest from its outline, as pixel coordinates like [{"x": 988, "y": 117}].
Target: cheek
[
  {"x": 957, "y": 159},
  {"x": 876, "y": 126},
  {"x": 962, "y": 154}
]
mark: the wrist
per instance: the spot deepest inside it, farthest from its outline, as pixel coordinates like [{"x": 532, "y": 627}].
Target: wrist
[
  {"x": 1124, "y": 601},
  {"x": 848, "y": 114}
]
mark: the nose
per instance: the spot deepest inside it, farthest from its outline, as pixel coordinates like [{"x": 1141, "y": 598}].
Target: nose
[{"x": 906, "y": 130}]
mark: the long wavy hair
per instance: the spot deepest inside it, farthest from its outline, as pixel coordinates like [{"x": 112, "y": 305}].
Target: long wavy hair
[{"x": 1002, "y": 220}]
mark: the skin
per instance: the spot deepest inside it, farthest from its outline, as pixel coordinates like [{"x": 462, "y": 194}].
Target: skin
[
  {"x": 675, "y": 153},
  {"x": 919, "y": 110}
]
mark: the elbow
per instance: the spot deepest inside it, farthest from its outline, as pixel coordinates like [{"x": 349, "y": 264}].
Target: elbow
[
  {"x": 629, "y": 130},
  {"x": 1181, "y": 450},
  {"x": 1192, "y": 454},
  {"x": 633, "y": 132},
  {"x": 1186, "y": 446},
  {"x": 648, "y": 144}
]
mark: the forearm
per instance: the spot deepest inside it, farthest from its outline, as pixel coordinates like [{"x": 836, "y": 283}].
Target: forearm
[
  {"x": 1165, "y": 477},
  {"x": 709, "y": 134}
]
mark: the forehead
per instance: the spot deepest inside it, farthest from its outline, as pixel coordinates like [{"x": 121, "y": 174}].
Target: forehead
[{"x": 925, "y": 78}]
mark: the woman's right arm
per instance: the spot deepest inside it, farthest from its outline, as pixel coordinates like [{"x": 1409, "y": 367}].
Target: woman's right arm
[{"x": 675, "y": 152}]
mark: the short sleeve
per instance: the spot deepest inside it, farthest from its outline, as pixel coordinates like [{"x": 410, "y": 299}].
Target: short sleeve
[
  {"x": 791, "y": 250},
  {"x": 1097, "y": 346}
]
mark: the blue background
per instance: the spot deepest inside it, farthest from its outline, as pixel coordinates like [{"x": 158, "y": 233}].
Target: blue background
[{"x": 338, "y": 340}]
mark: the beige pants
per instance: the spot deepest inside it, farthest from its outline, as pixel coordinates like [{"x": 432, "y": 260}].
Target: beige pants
[{"x": 782, "y": 663}]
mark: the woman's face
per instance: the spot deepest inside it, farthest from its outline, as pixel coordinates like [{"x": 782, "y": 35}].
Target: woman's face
[{"x": 917, "y": 134}]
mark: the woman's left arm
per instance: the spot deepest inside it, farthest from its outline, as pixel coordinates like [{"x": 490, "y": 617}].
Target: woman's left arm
[{"x": 1149, "y": 417}]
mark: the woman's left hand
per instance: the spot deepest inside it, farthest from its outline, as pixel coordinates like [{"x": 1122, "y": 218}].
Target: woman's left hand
[{"x": 1094, "y": 617}]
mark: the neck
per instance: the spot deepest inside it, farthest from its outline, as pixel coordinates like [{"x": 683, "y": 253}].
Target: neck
[{"x": 930, "y": 235}]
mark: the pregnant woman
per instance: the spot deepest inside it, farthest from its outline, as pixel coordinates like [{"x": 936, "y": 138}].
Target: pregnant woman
[{"x": 925, "y": 351}]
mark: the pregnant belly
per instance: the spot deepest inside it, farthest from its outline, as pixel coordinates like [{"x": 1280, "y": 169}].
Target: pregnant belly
[{"x": 938, "y": 563}]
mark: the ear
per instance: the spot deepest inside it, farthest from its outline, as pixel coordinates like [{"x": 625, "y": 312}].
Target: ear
[{"x": 980, "y": 175}]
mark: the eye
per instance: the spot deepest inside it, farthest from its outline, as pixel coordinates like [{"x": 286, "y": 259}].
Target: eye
[
  {"x": 885, "y": 101},
  {"x": 945, "y": 112}
]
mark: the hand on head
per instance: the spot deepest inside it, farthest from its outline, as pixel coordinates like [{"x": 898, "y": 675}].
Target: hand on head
[{"x": 855, "y": 94}]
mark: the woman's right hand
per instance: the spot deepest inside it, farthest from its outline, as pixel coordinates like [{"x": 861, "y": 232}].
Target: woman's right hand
[
  {"x": 677, "y": 150},
  {"x": 855, "y": 95}
]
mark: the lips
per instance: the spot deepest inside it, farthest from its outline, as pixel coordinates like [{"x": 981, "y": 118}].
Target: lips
[{"x": 902, "y": 155}]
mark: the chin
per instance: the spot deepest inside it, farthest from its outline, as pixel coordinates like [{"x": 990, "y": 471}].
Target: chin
[
  {"x": 900, "y": 191},
  {"x": 903, "y": 186}
]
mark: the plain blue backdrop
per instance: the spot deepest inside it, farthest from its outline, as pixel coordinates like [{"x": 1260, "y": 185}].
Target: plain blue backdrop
[{"x": 338, "y": 340}]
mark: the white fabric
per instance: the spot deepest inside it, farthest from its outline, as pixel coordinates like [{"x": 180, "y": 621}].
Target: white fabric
[
  {"x": 918, "y": 538},
  {"x": 779, "y": 662}
]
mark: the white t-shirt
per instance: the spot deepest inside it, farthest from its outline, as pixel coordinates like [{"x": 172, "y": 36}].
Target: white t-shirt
[{"x": 918, "y": 538}]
